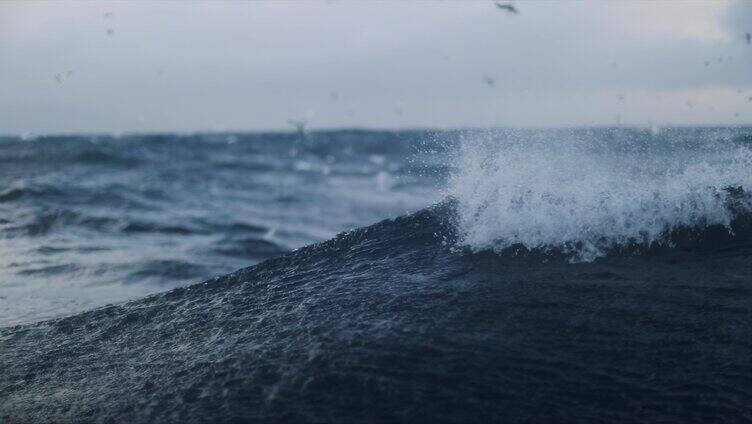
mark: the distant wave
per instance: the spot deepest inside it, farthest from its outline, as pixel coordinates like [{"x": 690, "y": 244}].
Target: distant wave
[
  {"x": 91, "y": 155},
  {"x": 16, "y": 193},
  {"x": 249, "y": 247}
]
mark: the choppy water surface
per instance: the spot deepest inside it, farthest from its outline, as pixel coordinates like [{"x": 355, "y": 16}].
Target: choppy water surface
[
  {"x": 585, "y": 275},
  {"x": 86, "y": 221}
]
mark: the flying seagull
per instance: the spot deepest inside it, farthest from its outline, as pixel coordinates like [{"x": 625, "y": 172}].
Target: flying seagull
[
  {"x": 300, "y": 125},
  {"x": 509, "y": 7},
  {"x": 62, "y": 76}
]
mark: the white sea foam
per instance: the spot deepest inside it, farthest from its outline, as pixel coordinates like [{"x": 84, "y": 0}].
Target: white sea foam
[{"x": 585, "y": 197}]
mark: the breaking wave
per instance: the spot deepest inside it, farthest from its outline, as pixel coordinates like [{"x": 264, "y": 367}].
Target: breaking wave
[{"x": 585, "y": 199}]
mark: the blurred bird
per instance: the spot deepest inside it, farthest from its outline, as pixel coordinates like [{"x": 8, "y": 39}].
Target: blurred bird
[
  {"x": 748, "y": 37},
  {"x": 489, "y": 81},
  {"x": 300, "y": 129},
  {"x": 110, "y": 31},
  {"x": 62, "y": 76},
  {"x": 509, "y": 7},
  {"x": 300, "y": 125}
]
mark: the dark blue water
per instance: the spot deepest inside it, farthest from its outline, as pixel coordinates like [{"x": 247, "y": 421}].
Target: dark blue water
[{"x": 589, "y": 275}]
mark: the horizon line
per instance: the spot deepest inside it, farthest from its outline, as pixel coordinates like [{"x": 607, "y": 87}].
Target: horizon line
[{"x": 118, "y": 134}]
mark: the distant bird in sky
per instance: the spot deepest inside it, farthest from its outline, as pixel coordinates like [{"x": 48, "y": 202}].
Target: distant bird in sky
[
  {"x": 707, "y": 63},
  {"x": 620, "y": 97},
  {"x": 300, "y": 126},
  {"x": 748, "y": 37},
  {"x": 509, "y": 7},
  {"x": 489, "y": 81},
  {"x": 62, "y": 76},
  {"x": 688, "y": 103},
  {"x": 110, "y": 31}
]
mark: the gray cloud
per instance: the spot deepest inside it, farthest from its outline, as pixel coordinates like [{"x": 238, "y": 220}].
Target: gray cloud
[{"x": 250, "y": 66}]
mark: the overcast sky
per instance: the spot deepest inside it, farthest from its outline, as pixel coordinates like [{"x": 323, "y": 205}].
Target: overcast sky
[{"x": 169, "y": 66}]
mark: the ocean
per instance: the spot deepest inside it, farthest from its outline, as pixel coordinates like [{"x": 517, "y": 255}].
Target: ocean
[
  {"x": 536, "y": 275},
  {"x": 87, "y": 221}
]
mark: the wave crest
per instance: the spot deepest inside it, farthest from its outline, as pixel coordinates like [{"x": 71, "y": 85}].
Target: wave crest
[{"x": 584, "y": 200}]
